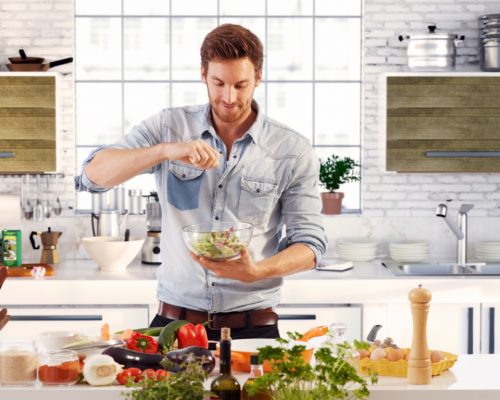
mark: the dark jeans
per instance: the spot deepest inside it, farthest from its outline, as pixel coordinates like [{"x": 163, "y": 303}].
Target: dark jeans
[{"x": 270, "y": 331}]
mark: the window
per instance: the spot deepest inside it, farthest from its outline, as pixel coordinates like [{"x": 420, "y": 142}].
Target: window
[{"x": 136, "y": 57}]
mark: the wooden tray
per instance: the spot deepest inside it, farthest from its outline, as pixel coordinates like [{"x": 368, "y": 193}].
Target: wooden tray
[{"x": 25, "y": 270}]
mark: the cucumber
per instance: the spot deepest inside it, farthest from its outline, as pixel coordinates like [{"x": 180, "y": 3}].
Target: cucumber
[
  {"x": 149, "y": 331},
  {"x": 168, "y": 334}
]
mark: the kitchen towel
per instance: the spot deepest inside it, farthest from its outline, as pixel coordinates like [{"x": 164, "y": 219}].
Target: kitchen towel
[{"x": 10, "y": 212}]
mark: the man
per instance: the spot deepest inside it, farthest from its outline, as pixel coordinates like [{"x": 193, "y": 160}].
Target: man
[{"x": 224, "y": 161}]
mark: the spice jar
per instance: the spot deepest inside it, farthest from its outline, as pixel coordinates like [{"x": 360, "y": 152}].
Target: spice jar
[
  {"x": 58, "y": 367},
  {"x": 18, "y": 362}
]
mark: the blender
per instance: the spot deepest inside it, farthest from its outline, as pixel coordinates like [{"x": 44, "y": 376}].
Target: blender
[{"x": 151, "y": 249}]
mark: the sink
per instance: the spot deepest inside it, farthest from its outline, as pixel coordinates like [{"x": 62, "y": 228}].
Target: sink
[
  {"x": 442, "y": 269},
  {"x": 430, "y": 269}
]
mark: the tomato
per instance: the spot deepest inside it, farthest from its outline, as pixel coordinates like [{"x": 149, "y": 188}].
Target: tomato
[
  {"x": 149, "y": 373},
  {"x": 161, "y": 374},
  {"x": 129, "y": 375}
]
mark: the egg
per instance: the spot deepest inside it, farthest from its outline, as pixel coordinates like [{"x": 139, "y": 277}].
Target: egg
[
  {"x": 364, "y": 354},
  {"x": 436, "y": 356},
  {"x": 377, "y": 354},
  {"x": 395, "y": 355}
]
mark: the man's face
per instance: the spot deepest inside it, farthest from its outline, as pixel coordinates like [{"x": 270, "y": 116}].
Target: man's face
[{"x": 230, "y": 85}]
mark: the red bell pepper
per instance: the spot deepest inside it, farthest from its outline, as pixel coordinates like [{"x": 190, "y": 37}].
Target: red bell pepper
[
  {"x": 142, "y": 343},
  {"x": 192, "y": 335}
]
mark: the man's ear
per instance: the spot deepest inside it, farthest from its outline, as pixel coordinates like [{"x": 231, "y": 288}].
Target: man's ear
[
  {"x": 203, "y": 74},
  {"x": 258, "y": 77}
]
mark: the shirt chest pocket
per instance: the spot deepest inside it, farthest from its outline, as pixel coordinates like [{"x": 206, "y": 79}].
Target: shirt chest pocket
[
  {"x": 257, "y": 200},
  {"x": 183, "y": 186}
]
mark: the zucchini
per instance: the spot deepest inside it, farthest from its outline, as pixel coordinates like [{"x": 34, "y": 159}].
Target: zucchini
[
  {"x": 149, "y": 331},
  {"x": 168, "y": 334}
]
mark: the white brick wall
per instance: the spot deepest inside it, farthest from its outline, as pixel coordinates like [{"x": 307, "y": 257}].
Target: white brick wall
[
  {"x": 392, "y": 194},
  {"x": 45, "y": 28}
]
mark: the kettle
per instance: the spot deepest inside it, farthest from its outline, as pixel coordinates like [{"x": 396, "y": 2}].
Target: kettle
[
  {"x": 107, "y": 223},
  {"x": 49, "y": 240}
]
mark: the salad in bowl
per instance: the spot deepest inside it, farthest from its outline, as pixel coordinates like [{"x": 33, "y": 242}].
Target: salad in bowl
[{"x": 218, "y": 240}]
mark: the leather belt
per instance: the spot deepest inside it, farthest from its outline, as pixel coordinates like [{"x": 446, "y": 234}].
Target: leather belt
[{"x": 233, "y": 320}]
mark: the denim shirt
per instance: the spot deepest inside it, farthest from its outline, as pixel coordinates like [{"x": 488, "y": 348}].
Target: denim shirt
[{"x": 270, "y": 179}]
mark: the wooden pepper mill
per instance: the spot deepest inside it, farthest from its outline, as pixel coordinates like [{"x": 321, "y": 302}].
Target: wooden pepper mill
[{"x": 419, "y": 362}]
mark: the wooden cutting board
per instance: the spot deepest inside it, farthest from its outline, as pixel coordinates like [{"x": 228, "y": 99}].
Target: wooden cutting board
[{"x": 25, "y": 270}]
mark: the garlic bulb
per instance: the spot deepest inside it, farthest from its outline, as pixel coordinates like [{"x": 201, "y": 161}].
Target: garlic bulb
[{"x": 100, "y": 370}]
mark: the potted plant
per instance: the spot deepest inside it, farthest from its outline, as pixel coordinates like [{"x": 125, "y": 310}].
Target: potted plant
[{"x": 332, "y": 173}]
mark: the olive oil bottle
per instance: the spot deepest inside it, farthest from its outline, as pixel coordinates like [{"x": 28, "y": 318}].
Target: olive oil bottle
[
  {"x": 256, "y": 370},
  {"x": 225, "y": 386}
]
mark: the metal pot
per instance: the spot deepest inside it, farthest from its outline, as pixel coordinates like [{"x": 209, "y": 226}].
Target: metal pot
[
  {"x": 489, "y": 42},
  {"x": 432, "y": 51}
]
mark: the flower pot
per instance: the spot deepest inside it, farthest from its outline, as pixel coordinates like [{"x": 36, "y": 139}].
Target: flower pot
[{"x": 332, "y": 202}]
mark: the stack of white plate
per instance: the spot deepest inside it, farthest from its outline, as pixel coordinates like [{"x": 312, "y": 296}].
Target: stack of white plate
[
  {"x": 487, "y": 251},
  {"x": 357, "y": 249},
  {"x": 409, "y": 251}
]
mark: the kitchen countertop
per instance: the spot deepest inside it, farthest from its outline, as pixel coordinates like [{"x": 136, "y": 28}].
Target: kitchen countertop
[
  {"x": 81, "y": 282},
  {"x": 473, "y": 376}
]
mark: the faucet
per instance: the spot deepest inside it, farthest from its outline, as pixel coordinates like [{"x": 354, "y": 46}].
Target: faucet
[{"x": 460, "y": 229}]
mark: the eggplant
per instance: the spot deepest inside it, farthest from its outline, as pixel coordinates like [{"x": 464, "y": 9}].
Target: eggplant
[
  {"x": 176, "y": 360},
  {"x": 130, "y": 358}
]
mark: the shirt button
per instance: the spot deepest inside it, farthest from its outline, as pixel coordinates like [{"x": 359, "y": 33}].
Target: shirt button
[
  {"x": 235, "y": 156},
  {"x": 220, "y": 185},
  {"x": 220, "y": 151},
  {"x": 216, "y": 218}
]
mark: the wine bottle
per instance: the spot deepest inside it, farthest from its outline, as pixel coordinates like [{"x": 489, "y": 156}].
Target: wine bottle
[
  {"x": 256, "y": 370},
  {"x": 225, "y": 386}
]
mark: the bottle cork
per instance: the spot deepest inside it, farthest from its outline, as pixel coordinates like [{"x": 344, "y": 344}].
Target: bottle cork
[{"x": 419, "y": 362}]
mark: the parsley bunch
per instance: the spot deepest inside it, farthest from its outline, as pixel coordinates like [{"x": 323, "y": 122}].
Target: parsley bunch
[
  {"x": 291, "y": 378},
  {"x": 187, "y": 384}
]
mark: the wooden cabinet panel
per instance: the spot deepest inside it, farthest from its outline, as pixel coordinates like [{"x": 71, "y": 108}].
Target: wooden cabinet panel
[
  {"x": 27, "y": 124},
  {"x": 443, "y": 123}
]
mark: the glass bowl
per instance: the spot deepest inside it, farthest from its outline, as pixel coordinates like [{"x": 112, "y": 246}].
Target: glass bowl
[{"x": 218, "y": 240}]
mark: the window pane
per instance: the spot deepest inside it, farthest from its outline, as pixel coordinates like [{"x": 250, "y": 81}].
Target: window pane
[
  {"x": 98, "y": 113},
  {"x": 98, "y": 48},
  {"x": 147, "y": 50},
  {"x": 146, "y": 7},
  {"x": 338, "y": 49},
  {"x": 194, "y": 7},
  {"x": 291, "y": 104},
  {"x": 189, "y": 94},
  {"x": 289, "y": 49},
  {"x": 337, "y": 113},
  {"x": 242, "y": 7},
  {"x": 143, "y": 100},
  {"x": 187, "y": 37},
  {"x": 351, "y": 190},
  {"x": 98, "y": 7},
  {"x": 289, "y": 7},
  {"x": 338, "y": 7}
]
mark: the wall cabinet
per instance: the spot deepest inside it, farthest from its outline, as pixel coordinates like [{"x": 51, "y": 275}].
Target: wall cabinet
[
  {"x": 27, "y": 322},
  {"x": 27, "y": 123},
  {"x": 443, "y": 123}
]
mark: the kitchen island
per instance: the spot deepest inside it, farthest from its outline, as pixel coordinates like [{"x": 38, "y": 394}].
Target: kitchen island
[{"x": 472, "y": 377}]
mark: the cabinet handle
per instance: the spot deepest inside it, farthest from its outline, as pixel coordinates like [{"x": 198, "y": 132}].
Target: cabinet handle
[
  {"x": 7, "y": 154},
  {"x": 56, "y": 317},
  {"x": 470, "y": 330},
  {"x": 462, "y": 154},
  {"x": 491, "y": 331},
  {"x": 296, "y": 316}
]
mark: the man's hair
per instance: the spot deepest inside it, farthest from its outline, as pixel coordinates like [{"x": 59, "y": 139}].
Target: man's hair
[{"x": 229, "y": 42}]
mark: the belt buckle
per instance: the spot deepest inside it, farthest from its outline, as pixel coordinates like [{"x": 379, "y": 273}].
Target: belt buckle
[{"x": 210, "y": 321}]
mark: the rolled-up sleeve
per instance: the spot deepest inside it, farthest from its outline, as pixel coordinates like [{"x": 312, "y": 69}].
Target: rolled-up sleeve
[
  {"x": 146, "y": 134},
  {"x": 301, "y": 205}
]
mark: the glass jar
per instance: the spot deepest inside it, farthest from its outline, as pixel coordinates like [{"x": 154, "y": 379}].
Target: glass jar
[
  {"x": 59, "y": 367},
  {"x": 18, "y": 362}
]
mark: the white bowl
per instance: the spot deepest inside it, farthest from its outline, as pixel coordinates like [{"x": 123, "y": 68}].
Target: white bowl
[
  {"x": 55, "y": 340},
  {"x": 112, "y": 253}
]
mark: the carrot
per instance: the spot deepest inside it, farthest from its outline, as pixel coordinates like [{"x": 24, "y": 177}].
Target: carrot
[
  {"x": 313, "y": 332},
  {"x": 105, "y": 332}
]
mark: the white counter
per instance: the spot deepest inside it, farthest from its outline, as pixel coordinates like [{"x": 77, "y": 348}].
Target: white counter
[{"x": 472, "y": 377}]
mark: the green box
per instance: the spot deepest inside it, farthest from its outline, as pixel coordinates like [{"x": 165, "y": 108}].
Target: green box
[{"x": 12, "y": 248}]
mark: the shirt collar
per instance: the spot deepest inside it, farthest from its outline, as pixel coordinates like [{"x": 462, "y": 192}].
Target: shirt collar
[{"x": 254, "y": 131}]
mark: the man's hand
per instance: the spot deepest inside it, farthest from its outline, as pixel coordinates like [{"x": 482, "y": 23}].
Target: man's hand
[
  {"x": 197, "y": 153},
  {"x": 241, "y": 269}
]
